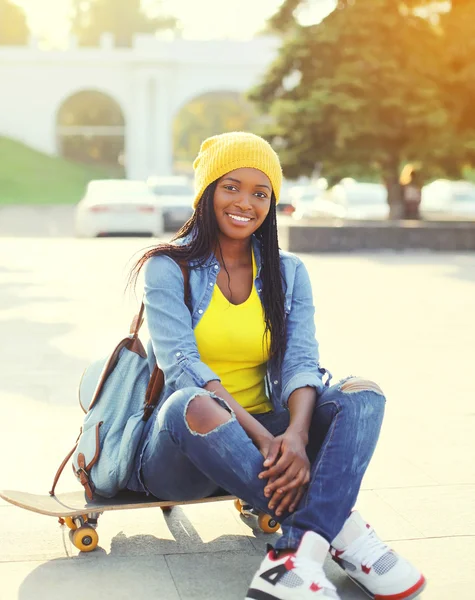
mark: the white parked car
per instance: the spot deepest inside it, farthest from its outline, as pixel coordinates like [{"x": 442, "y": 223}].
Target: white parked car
[
  {"x": 361, "y": 200},
  {"x": 444, "y": 198},
  {"x": 118, "y": 206},
  {"x": 175, "y": 195},
  {"x": 310, "y": 204}
]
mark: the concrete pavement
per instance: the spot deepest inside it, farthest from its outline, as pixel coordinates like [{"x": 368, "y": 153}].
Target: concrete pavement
[{"x": 405, "y": 320}]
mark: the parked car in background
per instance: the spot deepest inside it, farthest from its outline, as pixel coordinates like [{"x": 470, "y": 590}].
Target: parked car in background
[
  {"x": 289, "y": 191},
  {"x": 118, "y": 206},
  {"x": 445, "y": 199},
  {"x": 285, "y": 205},
  {"x": 366, "y": 201},
  {"x": 311, "y": 204},
  {"x": 175, "y": 195}
]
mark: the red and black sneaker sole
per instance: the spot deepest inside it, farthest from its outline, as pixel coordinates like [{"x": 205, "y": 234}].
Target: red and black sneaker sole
[{"x": 409, "y": 594}]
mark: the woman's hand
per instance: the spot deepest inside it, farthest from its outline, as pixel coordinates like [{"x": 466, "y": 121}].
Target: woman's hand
[
  {"x": 264, "y": 443},
  {"x": 288, "y": 471}
]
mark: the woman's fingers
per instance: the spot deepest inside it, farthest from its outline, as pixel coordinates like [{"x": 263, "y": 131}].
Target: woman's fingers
[
  {"x": 291, "y": 498},
  {"x": 292, "y": 478},
  {"x": 297, "y": 498},
  {"x": 279, "y": 468},
  {"x": 277, "y": 489},
  {"x": 273, "y": 452},
  {"x": 287, "y": 480},
  {"x": 301, "y": 478},
  {"x": 288, "y": 501},
  {"x": 284, "y": 503}
]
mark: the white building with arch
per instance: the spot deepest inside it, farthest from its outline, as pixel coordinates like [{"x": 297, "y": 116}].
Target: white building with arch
[{"x": 150, "y": 82}]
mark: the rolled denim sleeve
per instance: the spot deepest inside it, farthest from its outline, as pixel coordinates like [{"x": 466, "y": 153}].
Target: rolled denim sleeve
[
  {"x": 170, "y": 326},
  {"x": 300, "y": 367}
]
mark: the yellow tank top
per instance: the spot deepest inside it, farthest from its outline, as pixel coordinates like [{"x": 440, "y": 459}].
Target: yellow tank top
[{"x": 230, "y": 341}]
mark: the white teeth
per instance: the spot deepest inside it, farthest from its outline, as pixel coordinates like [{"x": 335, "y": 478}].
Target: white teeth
[{"x": 236, "y": 218}]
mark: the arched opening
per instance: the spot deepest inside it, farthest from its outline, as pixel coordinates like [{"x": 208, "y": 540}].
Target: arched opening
[
  {"x": 206, "y": 115},
  {"x": 91, "y": 129}
]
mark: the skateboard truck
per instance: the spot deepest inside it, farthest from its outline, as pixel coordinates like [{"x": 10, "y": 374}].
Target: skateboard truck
[{"x": 266, "y": 522}]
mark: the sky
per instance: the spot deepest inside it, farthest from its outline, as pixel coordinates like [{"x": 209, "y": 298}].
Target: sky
[{"x": 200, "y": 19}]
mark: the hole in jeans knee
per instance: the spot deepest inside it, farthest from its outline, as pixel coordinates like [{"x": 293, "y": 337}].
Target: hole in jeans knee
[
  {"x": 359, "y": 384},
  {"x": 200, "y": 420}
]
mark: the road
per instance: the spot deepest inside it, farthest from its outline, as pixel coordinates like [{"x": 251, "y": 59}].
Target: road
[{"x": 405, "y": 320}]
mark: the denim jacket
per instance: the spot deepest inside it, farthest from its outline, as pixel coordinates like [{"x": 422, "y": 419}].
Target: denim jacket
[{"x": 171, "y": 324}]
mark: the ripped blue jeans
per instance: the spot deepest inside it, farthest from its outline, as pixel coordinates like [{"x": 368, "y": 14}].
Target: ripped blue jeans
[{"x": 176, "y": 463}]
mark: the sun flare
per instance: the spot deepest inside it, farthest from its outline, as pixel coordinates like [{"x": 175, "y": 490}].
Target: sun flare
[{"x": 207, "y": 19}]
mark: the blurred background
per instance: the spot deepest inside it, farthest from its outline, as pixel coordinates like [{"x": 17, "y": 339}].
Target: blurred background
[{"x": 369, "y": 104}]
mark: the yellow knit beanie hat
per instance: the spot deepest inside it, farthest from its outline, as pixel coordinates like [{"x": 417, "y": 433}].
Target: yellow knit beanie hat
[{"x": 223, "y": 153}]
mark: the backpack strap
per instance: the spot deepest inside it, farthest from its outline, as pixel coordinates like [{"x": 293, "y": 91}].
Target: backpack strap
[
  {"x": 63, "y": 464},
  {"x": 137, "y": 322}
]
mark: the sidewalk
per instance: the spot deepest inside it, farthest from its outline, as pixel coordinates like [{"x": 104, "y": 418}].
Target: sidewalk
[{"x": 405, "y": 320}]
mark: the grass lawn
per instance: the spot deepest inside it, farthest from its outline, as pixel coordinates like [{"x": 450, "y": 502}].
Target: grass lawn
[{"x": 31, "y": 177}]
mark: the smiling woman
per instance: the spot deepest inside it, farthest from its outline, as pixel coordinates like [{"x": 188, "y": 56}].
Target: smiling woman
[{"x": 245, "y": 407}]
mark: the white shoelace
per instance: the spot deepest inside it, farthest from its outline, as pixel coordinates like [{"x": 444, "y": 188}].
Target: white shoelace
[
  {"x": 312, "y": 572},
  {"x": 367, "y": 549}
]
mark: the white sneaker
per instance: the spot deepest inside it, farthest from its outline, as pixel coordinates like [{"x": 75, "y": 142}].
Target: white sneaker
[
  {"x": 372, "y": 565},
  {"x": 297, "y": 576}
]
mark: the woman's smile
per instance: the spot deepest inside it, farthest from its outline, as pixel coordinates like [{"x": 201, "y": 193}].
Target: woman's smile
[{"x": 239, "y": 220}]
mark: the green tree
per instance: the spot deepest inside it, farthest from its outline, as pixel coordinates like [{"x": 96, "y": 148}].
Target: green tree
[
  {"x": 123, "y": 18},
  {"x": 13, "y": 27},
  {"x": 459, "y": 85},
  {"x": 207, "y": 115},
  {"x": 357, "y": 93}
]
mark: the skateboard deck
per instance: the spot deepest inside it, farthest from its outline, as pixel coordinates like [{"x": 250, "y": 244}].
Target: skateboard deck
[
  {"x": 75, "y": 504},
  {"x": 80, "y": 514}
]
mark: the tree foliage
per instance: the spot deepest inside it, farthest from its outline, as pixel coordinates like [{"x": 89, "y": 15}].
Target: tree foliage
[
  {"x": 459, "y": 84},
  {"x": 359, "y": 92},
  {"x": 123, "y": 18},
  {"x": 13, "y": 26},
  {"x": 207, "y": 115}
]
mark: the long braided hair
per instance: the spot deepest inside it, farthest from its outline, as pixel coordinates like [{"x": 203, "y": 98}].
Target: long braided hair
[{"x": 202, "y": 227}]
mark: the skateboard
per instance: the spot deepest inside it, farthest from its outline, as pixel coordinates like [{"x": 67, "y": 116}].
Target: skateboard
[{"x": 81, "y": 515}]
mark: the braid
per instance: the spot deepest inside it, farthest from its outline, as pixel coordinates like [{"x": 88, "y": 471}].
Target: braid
[{"x": 272, "y": 283}]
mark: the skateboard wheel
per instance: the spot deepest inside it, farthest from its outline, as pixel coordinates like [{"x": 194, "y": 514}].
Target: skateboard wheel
[
  {"x": 166, "y": 509},
  {"x": 267, "y": 524},
  {"x": 238, "y": 505},
  {"x": 85, "y": 538}
]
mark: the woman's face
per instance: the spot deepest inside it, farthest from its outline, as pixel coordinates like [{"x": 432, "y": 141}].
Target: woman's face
[{"x": 241, "y": 202}]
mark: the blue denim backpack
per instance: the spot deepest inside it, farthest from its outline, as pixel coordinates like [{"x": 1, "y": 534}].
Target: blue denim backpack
[{"x": 118, "y": 395}]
